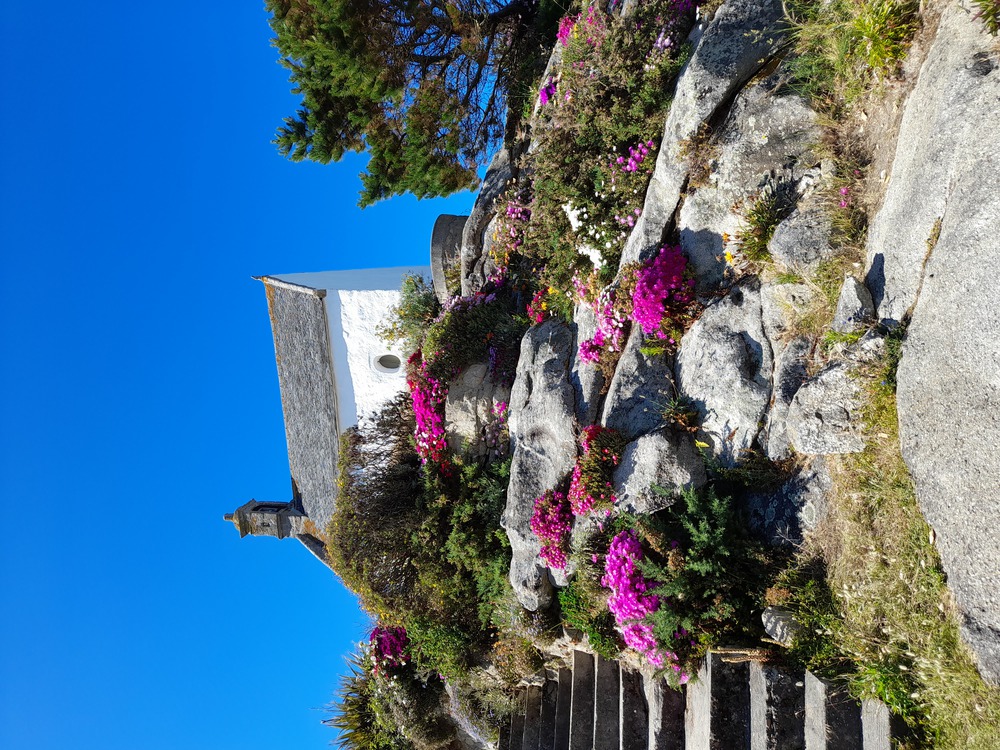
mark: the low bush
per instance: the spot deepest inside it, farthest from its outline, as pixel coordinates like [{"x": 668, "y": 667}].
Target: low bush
[{"x": 420, "y": 549}]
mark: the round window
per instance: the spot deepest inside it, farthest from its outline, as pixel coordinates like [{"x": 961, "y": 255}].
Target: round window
[{"x": 388, "y": 363}]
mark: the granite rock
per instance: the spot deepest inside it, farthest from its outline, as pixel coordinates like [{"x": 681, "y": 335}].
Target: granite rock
[
  {"x": 948, "y": 395},
  {"x": 664, "y": 458},
  {"x": 543, "y": 444},
  {"x": 642, "y": 385},
  {"x": 854, "y": 307},
  {"x": 802, "y": 240},
  {"x": 734, "y": 46},
  {"x": 724, "y": 367},
  {"x": 469, "y": 408},
  {"x": 766, "y": 145}
]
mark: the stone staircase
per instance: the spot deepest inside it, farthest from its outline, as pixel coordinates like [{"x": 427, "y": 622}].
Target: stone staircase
[{"x": 734, "y": 704}]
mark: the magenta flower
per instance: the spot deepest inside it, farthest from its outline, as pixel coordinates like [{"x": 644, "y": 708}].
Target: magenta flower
[{"x": 660, "y": 285}]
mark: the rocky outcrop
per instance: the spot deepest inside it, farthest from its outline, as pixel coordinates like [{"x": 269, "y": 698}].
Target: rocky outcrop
[
  {"x": 767, "y": 142},
  {"x": 588, "y": 381},
  {"x": 469, "y": 408},
  {"x": 741, "y": 37},
  {"x": 949, "y": 377},
  {"x": 946, "y": 144},
  {"x": 724, "y": 368},
  {"x": 854, "y": 307},
  {"x": 476, "y": 263},
  {"x": 663, "y": 458},
  {"x": 802, "y": 240},
  {"x": 543, "y": 442},
  {"x": 640, "y": 389}
]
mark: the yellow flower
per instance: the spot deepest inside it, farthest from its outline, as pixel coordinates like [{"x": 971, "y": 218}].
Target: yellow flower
[
  {"x": 700, "y": 444},
  {"x": 729, "y": 257}
]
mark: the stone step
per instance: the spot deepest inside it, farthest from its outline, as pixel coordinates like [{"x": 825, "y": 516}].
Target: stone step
[
  {"x": 564, "y": 702},
  {"x": 517, "y": 726},
  {"x": 878, "y": 726},
  {"x": 607, "y": 705},
  {"x": 634, "y": 712},
  {"x": 718, "y": 706},
  {"x": 547, "y": 715},
  {"x": 777, "y": 708},
  {"x": 833, "y": 718},
  {"x": 581, "y": 720},
  {"x": 504, "y": 742},
  {"x": 666, "y": 716},
  {"x": 532, "y": 710}
]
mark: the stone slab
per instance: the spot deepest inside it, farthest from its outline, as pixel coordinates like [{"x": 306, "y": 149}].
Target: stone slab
[
  {"x": 581, "y": 726},
  {"x": 777, "y": 708}
]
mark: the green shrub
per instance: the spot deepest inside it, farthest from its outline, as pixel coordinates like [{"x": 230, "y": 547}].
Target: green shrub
[
  {"x": 474, "y": 329},
  {"x": 613, "y": 88},
  {"x": 588, "y": 614},
  {"x": 420, "y": 549},
  {"x": 408, "y": 321},
  {"x": 710, "y": 575}
]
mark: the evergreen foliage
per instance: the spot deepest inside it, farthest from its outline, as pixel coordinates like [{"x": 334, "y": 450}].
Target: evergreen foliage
[{"x": 420, "y": 85}]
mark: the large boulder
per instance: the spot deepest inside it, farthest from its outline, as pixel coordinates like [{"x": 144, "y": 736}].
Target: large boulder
[
  {"x": 946, "y": 146},
  {"x": 469, "y": 408},
  {"x": 766, "y": 143},
  {"x": 724, "y": 368},
  {"x": 742, "y": 35},
  {"x": 587, "y": 379},
  {"x": 476, "y": 262},
  {"x": 641, "y": 388},
  {"x": 543, "y": 442},
  {"x": 949, "y": 377},
  {"x": 785, "y": 515},
  {"x": 802, "y": 240},
  {"x": 663, "y": 458}
]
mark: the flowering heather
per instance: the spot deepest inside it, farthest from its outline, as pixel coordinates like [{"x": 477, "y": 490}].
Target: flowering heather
[
  {"x": 588, "y": 25},
  {"x": 508, "y": 236},
  {"x": 661, "y": 290},
  {"x": 633, "y": 600},
  {"x": 611, "y": 328},
  {"x": 552, "y": 522},
  {"x": 548, "y": 92},
  {"x": 566, "y": 26},
  {"x": 537, "y": 308},
  {"x": 388, "y": 648},
  {"x": 428, "y": 394},
  {"x": 590, "y": 486},
  {"x": 636, "y": 155}
]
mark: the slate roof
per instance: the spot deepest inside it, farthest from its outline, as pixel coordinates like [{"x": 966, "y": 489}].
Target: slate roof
[{"x": 308, "y": 394}]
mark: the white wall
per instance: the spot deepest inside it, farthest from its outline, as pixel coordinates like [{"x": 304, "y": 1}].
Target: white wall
[{"x": 356, "y": 303}]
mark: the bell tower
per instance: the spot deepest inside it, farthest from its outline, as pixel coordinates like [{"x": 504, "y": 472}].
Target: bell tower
[{"x": 264, "y": 519}]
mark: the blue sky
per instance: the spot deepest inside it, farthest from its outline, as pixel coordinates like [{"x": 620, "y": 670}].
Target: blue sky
[{"x": 138, "y": 194}]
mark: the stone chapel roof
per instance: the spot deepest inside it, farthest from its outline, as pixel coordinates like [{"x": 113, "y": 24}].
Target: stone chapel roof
[{"x": 308, "y": 394}]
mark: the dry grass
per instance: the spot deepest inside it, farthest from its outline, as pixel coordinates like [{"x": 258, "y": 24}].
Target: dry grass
[{"x": 897, "y": 625}]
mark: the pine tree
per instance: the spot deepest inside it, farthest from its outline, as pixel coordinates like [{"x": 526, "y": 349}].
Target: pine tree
[{"x": 419, "y": 84}]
